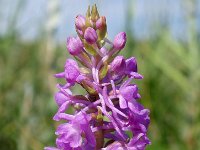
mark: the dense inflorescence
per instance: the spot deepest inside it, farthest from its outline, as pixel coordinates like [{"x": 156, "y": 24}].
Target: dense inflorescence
[{"x": 109, "y": 116}]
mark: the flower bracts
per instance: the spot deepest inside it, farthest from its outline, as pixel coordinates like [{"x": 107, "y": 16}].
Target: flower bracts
[{"x": 108, "y": 116}]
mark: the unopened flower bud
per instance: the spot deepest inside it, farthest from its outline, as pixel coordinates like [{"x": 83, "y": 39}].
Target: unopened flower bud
[
  {"x": 131, "y": 65},
  {"x": 79, "y": 32},
  {"x": 74, "y": 45},
  {"x": 90, "y": 35},
  {"x": 120, "y": 40},
  {"x": 101, "y": 27},
  {"x": 101, "y": 23},
  {"x": 118, "y": 64},
  {"x": 80, "y": 22}
]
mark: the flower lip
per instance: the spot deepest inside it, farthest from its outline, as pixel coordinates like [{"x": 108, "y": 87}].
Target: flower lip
[
  {"x": 74, "y": 45},
  {"x": 129, "y": 92},
  {"x": 71, "y": 71},
  {"x": 69, "y": 134},
  {"x": 90, "y": 35},
  {"x": 60, "y": 98}
]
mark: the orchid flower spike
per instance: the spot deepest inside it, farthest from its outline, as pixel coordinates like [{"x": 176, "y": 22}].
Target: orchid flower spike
[{"x": 109, "y": 109}]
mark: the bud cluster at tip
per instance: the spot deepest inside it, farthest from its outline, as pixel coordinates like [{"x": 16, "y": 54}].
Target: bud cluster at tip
[
  {"x": 92, "y": 31},
  {"x": 110, "y": 107}
]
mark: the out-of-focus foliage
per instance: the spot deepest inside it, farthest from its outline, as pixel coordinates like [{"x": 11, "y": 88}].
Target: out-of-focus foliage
[
  {"x": 26, "y": 95},
  {"x": 170, "y": 88}
]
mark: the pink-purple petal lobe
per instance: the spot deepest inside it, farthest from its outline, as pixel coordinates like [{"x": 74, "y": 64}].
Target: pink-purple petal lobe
[
  {"x": 131, "y": 65},
  {"x": 122, "y": 102}
]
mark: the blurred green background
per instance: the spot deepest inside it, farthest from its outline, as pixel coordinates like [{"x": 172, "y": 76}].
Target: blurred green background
[{"x": 163, "y": 35}]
